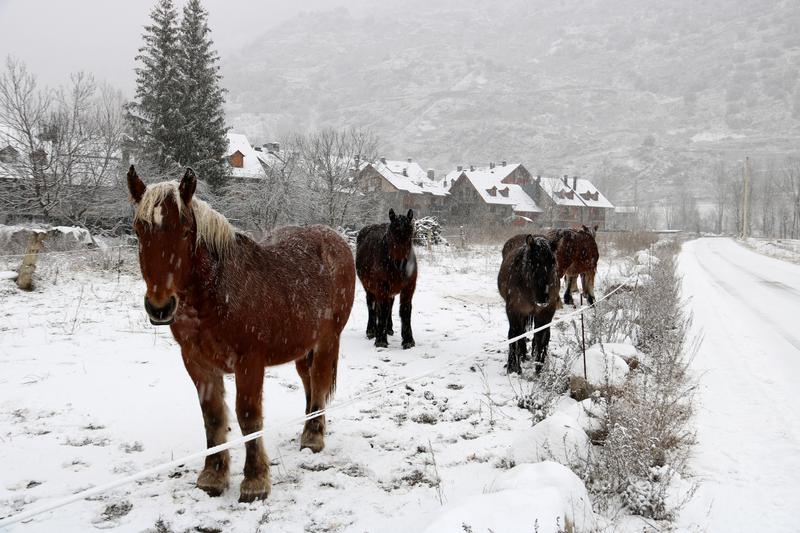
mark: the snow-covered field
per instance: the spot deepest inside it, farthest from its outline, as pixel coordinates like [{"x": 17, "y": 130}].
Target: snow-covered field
[
  {"x": 747, "y": 456},
  {"x": 92, "y": 392}
]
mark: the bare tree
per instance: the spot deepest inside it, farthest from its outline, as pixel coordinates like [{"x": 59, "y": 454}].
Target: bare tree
[
  {"x": 67, "y": 147},
  {"x": 329, "y": 161},
  {"x": 273, "y": 201},
  {"x": 721, "y": 196}
]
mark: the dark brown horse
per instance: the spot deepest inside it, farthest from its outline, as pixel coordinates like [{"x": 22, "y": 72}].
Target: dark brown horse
[
  {"x": 577, "y": 255},
  {"x": 387, "y": 266},
  {"x": 528, "y": 282},
  {"x": 236, "y": 306}
]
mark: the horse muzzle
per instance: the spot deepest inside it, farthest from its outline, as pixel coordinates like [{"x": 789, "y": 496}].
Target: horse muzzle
[{"x": 163, "y": 315}]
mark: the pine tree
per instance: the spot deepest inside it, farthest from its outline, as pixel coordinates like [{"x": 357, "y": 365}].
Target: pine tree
[
  {"x": 156, "y": 116},
  {"x": 204, "y": 139}
]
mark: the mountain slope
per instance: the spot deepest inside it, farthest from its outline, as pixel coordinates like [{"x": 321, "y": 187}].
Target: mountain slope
[{"x": 628, "y": 90}]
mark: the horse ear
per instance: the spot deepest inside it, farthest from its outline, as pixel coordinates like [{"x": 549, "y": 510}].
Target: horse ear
[
  {"x": 410, "y": 214},
  {"x": 594, "y": 229},
  {"x": 188, "y": 186},
  {"x": 529, "y": 240},
  {"x": 136, "y": 186},
  {"x": 392, "y": 216}
]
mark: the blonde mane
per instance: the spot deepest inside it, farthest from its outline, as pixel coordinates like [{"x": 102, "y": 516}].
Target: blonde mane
[{"x": 213, "y": 229}]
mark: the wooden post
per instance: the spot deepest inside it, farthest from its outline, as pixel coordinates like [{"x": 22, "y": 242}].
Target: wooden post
[
  {"x": 28, "y": 266},
  {"x": 746, "y": 200},
  {"x": 463, "y": 236},
  {"x": 583, "y": 340}
]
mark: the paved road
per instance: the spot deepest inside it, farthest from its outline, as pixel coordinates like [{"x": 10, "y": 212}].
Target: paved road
[{"x": 746, "y": 306}]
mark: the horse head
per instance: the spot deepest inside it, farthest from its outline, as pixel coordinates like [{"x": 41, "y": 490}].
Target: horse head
[
  {"x": 400, "y": 234},
  {"x": 541, "y": 261},
  {"x": 167, "y": 233}
]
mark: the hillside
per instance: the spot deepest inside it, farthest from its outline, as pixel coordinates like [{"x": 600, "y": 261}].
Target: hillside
[{"x": 648, "y": 90}]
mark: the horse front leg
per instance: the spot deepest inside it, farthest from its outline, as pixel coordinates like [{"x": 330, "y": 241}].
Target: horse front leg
[
  {"x": 213, "y": 479},
  {"x": 541, "y": 339},
  {"x": 249, "y": 387},
  {"x": 389, "y": 325},
  {"x": 370, "y": 315},
  {"x": 517, "y": 349},
  {"x": 405, "y": 316},
  {"x": 587, "y": 283},
  {"x": 382, "y": 309}
]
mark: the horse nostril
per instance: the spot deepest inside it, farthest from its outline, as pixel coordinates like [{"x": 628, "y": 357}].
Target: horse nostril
[{"x": 162, "y": 313}]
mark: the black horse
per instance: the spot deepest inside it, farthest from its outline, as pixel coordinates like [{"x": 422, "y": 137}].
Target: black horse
[
  {"x": 528, "y": 282},
  {"x": 387, "y": 266}
]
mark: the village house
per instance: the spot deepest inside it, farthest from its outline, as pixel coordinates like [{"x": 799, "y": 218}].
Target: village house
[
  {"x": 244, "y": 161},
  {"x": 572, "y": 201},
  {"x": 495, "y": 194},
  {"x": 402, "y": 185}
]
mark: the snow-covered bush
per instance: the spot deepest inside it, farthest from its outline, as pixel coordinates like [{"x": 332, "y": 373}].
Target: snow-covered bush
[
  {"x": 647, "y": 419},
  {"x": 427, "y": 230}
]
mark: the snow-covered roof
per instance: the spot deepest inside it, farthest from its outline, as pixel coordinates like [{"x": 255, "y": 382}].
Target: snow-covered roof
[
  {"x": 492, "y": 191},
  {"x": 590, "y": 195},
  {"x": 560, "y": 192},
  {"x": 406, "y": 183},
  {"x": 498, "y": 172},
  {"x": 251, "y": 167}
]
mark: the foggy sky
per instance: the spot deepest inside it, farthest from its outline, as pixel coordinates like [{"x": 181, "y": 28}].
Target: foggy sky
[{"x": 57, "y": 37}]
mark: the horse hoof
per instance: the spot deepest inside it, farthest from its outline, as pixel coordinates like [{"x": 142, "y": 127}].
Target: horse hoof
[
  {"x": 212, "y": 482},
  {"x": 253, "y": 489},
  {"x": 370, "y": 333},
  {"x": 408, "y": 344},
  {"x": 390, "y": 332},
  {"x": 382, "y": 343},
  {"x": 313, "y": 441}
]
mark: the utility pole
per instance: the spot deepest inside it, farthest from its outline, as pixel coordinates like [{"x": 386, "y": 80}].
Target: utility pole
[{"x": 746, "y": 199}]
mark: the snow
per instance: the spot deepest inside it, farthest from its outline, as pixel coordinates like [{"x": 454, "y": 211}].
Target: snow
[
  {"x": 542, "y": 497},
  {"x": 578, "y": 505},
  {"x": 251, "y": 166},
  {"x": 747, "y": 457},
  {"x": 558, "y": 437},
  {"x": 603, "y": 369},
  {"x": 92, "y": 392},
  {"x": 492, "y": 191},
  {"x": 560, "y": 193}
]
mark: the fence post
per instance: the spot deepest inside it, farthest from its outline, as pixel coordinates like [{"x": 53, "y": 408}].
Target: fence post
[
  {"x": 463, "y": 236},
  {"x": 583, "y": 341},
  {"x": 28, "y": 266}
]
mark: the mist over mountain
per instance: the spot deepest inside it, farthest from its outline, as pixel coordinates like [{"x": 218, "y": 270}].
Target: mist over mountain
[{"x": 641, "y": 95}]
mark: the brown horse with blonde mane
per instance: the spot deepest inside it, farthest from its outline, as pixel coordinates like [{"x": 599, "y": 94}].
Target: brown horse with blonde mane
[{"x": 236, "y": 306}]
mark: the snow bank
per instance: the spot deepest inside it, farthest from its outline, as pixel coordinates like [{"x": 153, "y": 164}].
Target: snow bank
[
  {"x": 15, "y": 239},
  {"x": 542, "y": 497},
  {"x": 577, "y": 504},
  {"x": 590, "y": 414},
  {"x": 558, "y": 437},
  {"x": 602, "y": 369}
]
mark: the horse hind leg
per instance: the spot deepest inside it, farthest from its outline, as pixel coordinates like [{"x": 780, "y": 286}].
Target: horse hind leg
[
  {"x": 249, "y": 386},
  {"x": 370, "y": 315},
  {"x": 568, "y": 292},
  {"x": 323, "y": 382},
  {"x": 587, "y": 283},
  {"x": 213, "y": 479}
]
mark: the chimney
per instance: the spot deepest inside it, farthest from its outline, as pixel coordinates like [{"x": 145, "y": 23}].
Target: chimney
[
  {"x": 472, "y": 168},
  {"x": 383, "y": 160},
  {"x": 575, "y": 182},
  {"x": 538, "y": 178},
  {"x": 431, "y": 174},
  {"x": 405, "y": 172},
  {"x": 565, "y": 179},
  {"x": 491, "y": 165},
  {"x": 459, "y": 168},
  {"x": 503, "y": 163},
  {"x": 409, "y": 160}
]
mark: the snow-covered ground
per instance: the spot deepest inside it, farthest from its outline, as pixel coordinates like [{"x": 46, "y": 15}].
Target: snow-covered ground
[
  {"x": 92, "y": 392},
  {"x": 786, "y": 249},
  {"x": 747, "y": 457}
]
